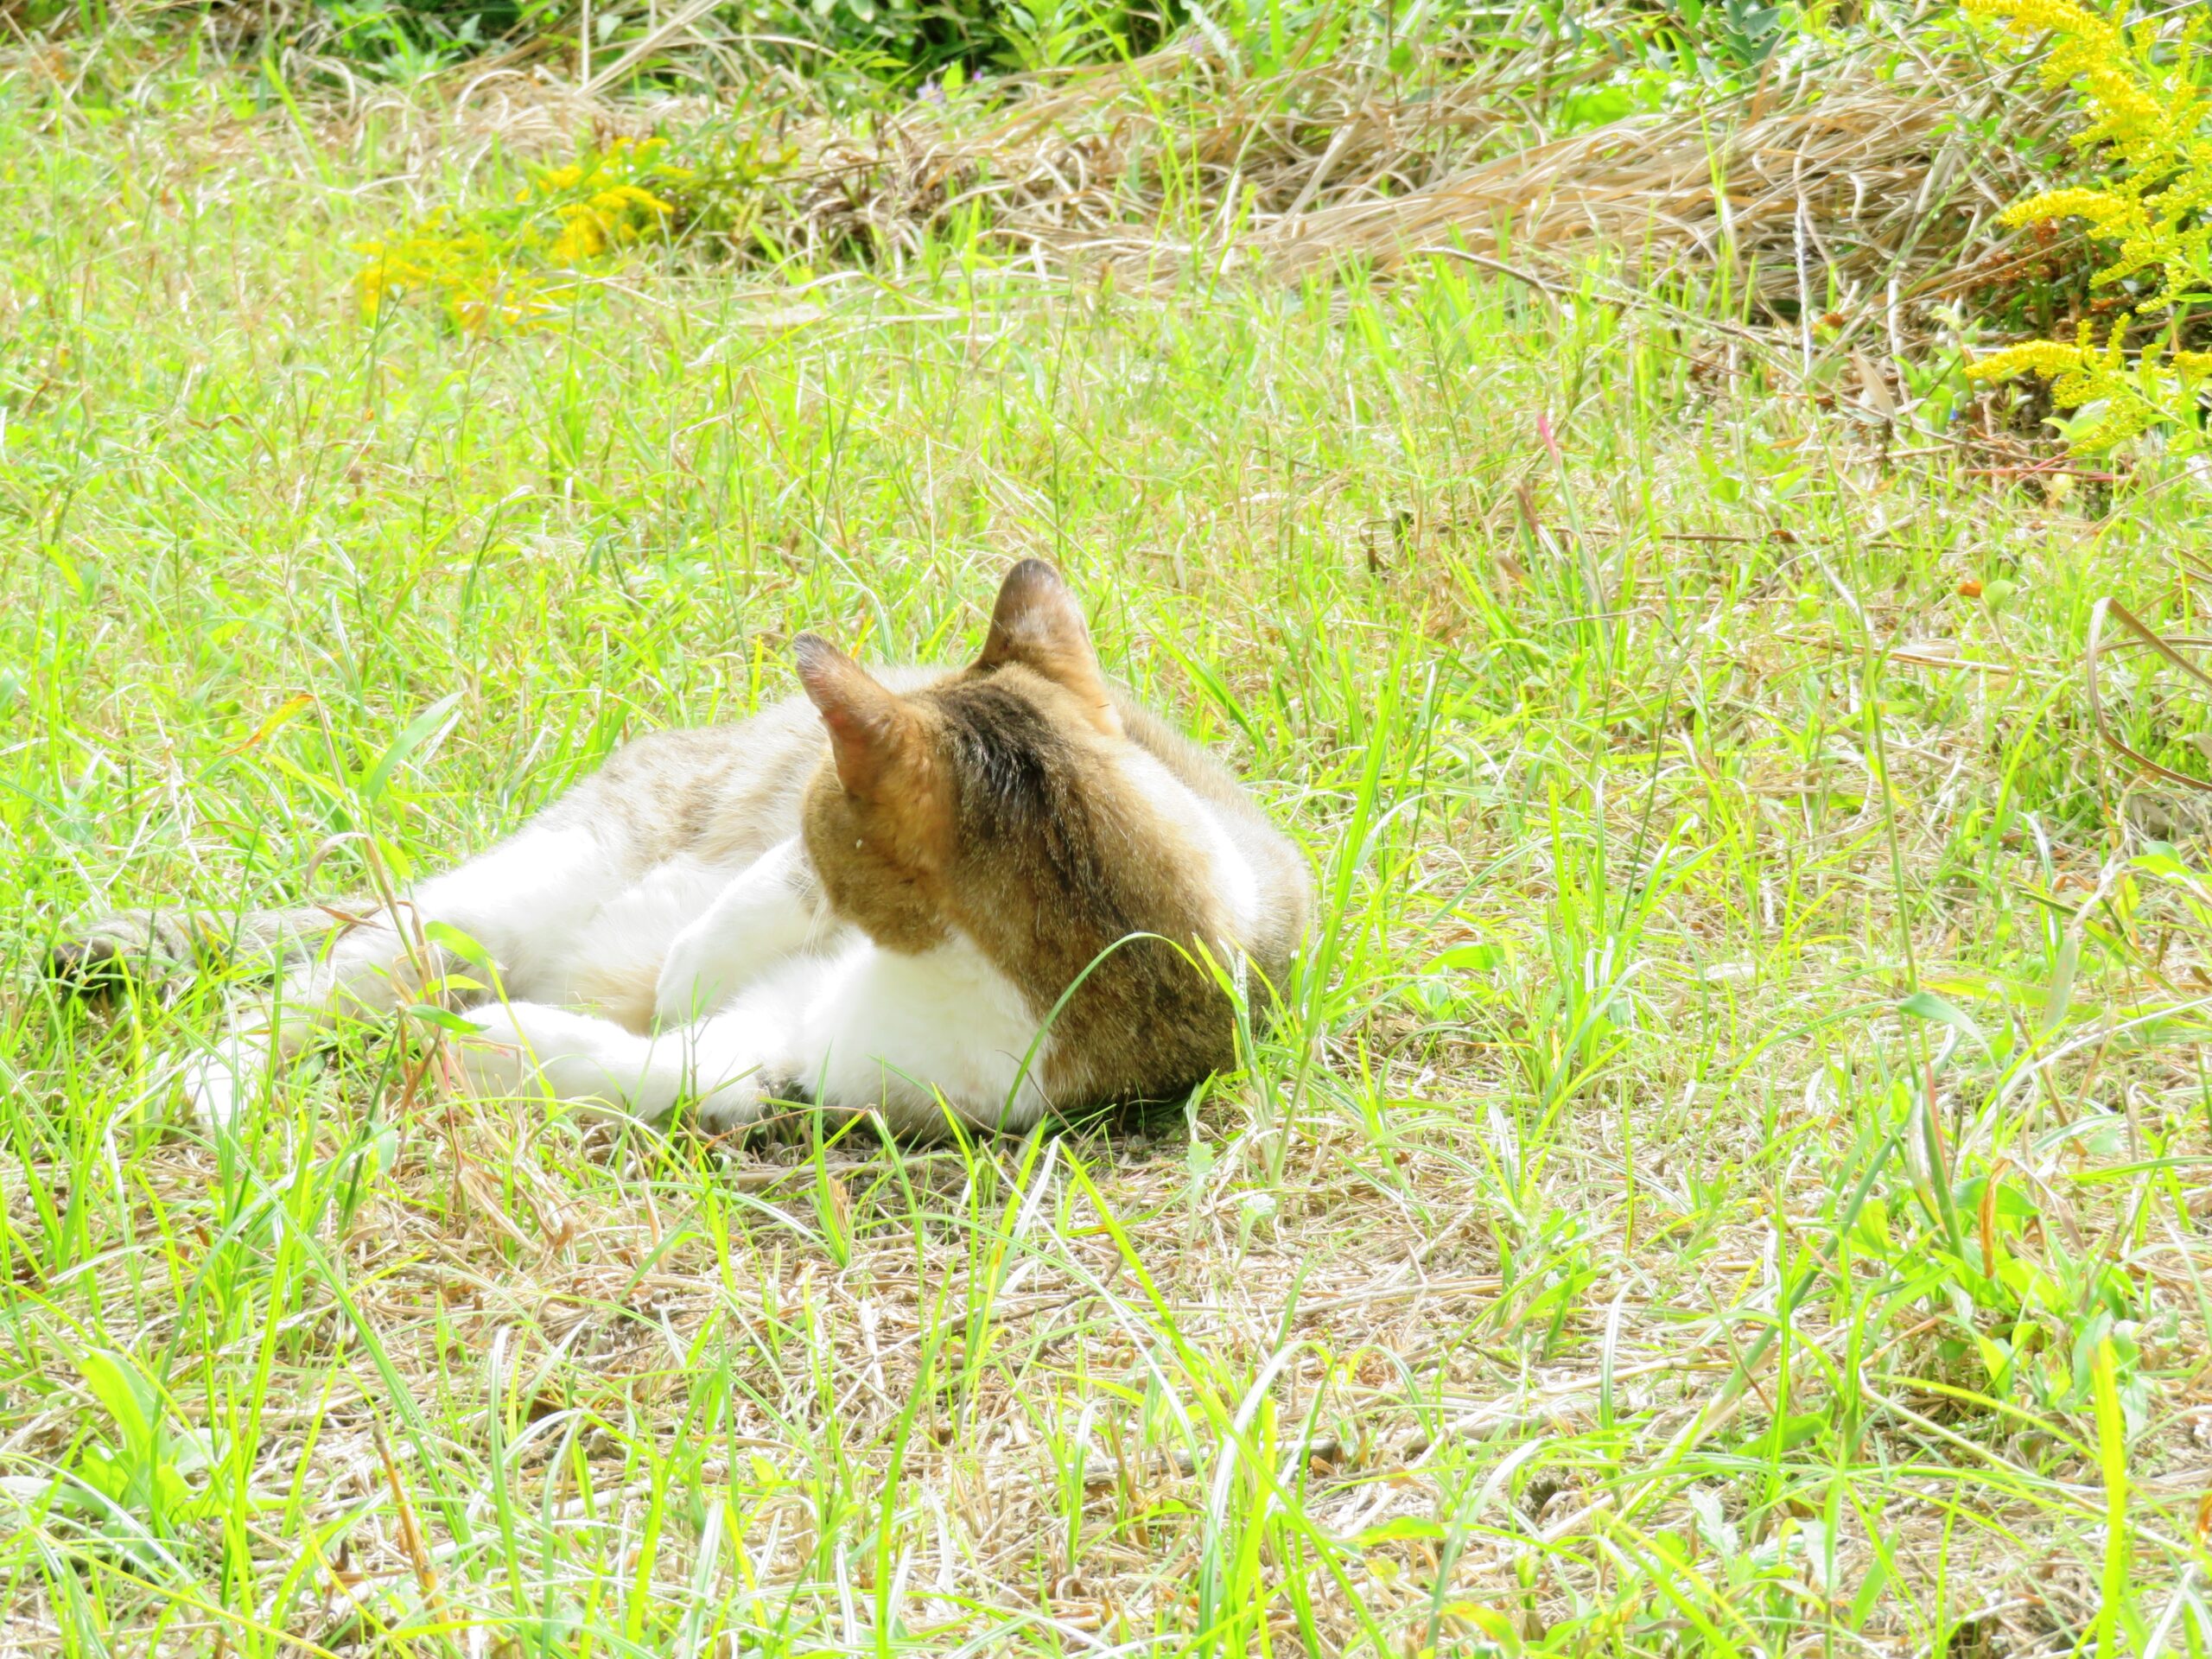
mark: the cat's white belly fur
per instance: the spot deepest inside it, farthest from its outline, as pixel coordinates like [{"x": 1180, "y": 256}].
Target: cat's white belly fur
[
  {"x": 757, "y": 997},
  {"x": 860, "y": 1027}
]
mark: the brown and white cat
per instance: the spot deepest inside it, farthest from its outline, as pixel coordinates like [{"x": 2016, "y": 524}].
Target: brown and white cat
[{"x": 875, "y": 896}]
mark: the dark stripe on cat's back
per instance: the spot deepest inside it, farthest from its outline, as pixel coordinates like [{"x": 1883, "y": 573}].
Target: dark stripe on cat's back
[{"x": 1014, "y": 767}]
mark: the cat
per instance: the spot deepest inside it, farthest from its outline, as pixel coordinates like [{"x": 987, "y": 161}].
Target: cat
[{"x": 1004, "y": 889}]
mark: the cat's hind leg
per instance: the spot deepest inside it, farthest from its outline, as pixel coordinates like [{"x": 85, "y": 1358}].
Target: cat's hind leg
[
  {"x": 326, "y": 963},
  {"x": 363, "y": 976},
  {"x": 520, "y": 902}
]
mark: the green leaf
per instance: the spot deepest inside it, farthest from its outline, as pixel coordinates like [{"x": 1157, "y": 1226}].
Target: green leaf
[
  {"x": 1870, "y": 1230},
  {"x": 419, "y": 731},
  {"x": 1496, "y": 1629},
  {"x": 1800, "y": 1426},
  {"x": 2010, "y": 1205},
  {"x": 188, "y": 1450},
  {"x": 2112, "y": 1463},
  {"x": 462, "y": 944},
  {"x": 172, "y": 1497},
  {"x": 1926, "y": 1005},
  {"x": 2060, "y": 996},
  {"x": 384, "y": 1149},
  {"x": 95, "y": 1469},
  {"x": 126, "y": 1394},
  {"x": 1931, "y": 1175},
  {"x": 1467, "y": 959},
  {"x": 1402, "y": 1526},
  {"x": 1997, "y": 1359},
  {"x": 430, "y": 1014}
]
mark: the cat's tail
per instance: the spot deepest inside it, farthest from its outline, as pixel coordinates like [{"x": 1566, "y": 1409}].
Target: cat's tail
[{"x": 164, "y": 947}]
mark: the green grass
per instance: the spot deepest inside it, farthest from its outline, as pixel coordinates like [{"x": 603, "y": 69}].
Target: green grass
[{"x": 1734, "y": 1180}]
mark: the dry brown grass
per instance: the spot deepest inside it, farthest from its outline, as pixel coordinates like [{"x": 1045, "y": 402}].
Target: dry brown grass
[{"x": 1823, "y": 189}]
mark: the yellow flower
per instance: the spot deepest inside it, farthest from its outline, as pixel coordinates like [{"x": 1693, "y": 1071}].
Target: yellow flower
[
  {"x": 2044, "y": 357},
  {"x": 507, "y": 266},
  {"x": 2059, "y": 16},
  {"x": 2145, "y": 111},
  {"x": 2099, "y": 207}
]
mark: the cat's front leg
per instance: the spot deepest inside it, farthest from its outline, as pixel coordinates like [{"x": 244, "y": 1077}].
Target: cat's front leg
[
  {"x": 529, "y": 1048},
  {"x": 770, "y": 909}
]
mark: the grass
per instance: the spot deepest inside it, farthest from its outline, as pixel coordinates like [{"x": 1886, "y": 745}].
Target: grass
[{"x": 1733, "y": 1181}]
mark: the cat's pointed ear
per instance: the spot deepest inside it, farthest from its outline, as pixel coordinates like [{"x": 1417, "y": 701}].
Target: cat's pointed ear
[
  {"x": 869, "y": 728},
  {"x": 1038, "y": 623}
]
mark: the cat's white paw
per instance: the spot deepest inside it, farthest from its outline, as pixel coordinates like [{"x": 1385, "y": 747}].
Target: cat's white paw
[
  {"x": 516, "y": 1049},
  {"x": 218, "y": 1084},
  {"x": 211, "y": 1091},
  {"x": 502, "y": 1056},
  {"x": 732, "y": 1106},
  {"x": 527, "y": 1048}
]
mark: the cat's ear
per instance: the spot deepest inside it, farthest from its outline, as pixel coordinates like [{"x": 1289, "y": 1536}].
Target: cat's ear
[
  {"x": 1038, "y": 623},
  {"x": 870, "y": 729}
]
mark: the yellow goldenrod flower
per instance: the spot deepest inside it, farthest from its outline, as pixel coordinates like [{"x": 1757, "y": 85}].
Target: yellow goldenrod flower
[
  {"x": 509, "y": 266},
  {"x": 2145, "y": 110}
]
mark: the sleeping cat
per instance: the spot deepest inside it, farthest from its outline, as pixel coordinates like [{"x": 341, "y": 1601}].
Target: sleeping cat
[{"x": 1003, "y": 889}]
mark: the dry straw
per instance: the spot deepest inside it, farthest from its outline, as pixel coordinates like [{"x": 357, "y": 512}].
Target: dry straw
[{"x": 1826, "y": 186}]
